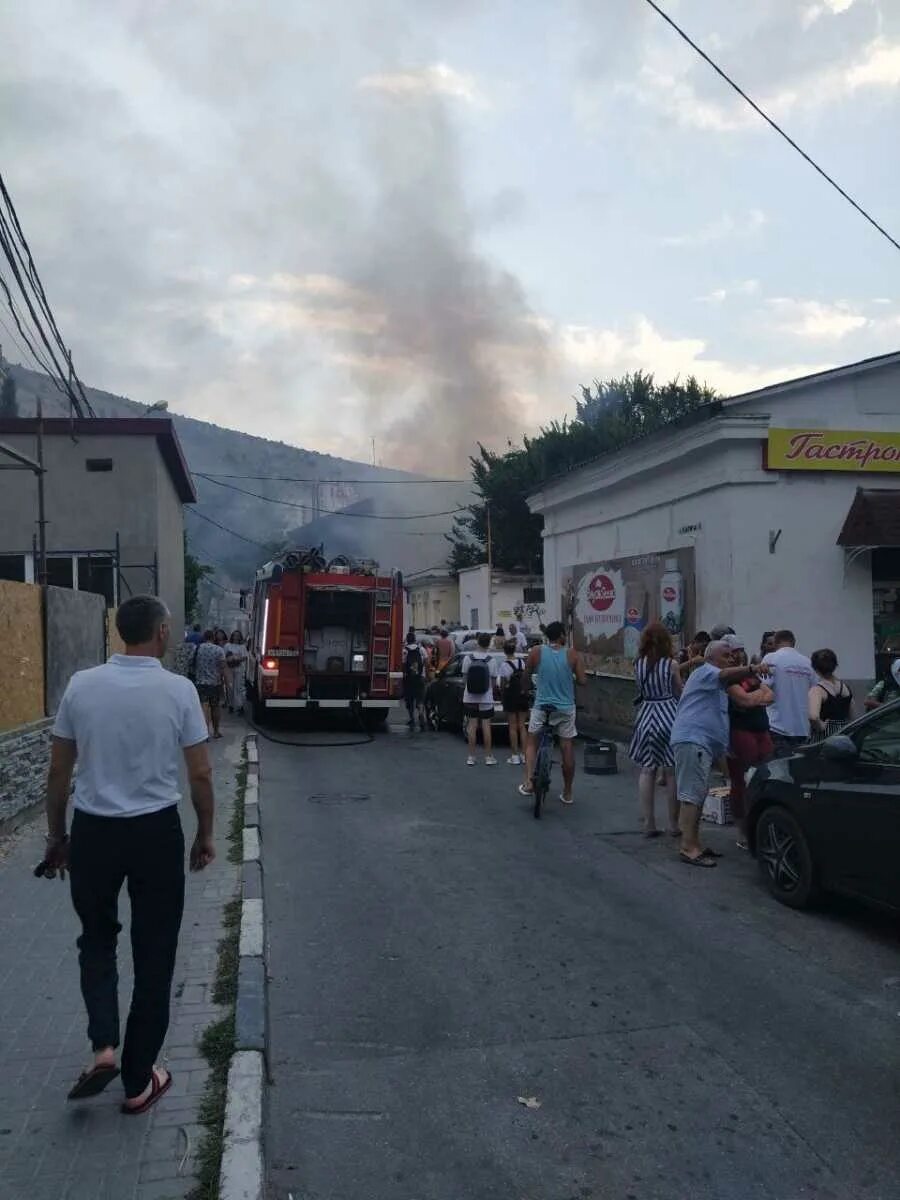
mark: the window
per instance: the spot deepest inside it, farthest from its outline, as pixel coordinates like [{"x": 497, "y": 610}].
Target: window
[
  {"x": 12, "y": 566},
  {"x": 99, "y": 464},
  {"x": 533, "y": 595},
  {"x": 95, "y": 574},
  {"x": 59, "y": 570},
  {"x": 473, "y": 618},
  {"x": 879, "y": 742}
]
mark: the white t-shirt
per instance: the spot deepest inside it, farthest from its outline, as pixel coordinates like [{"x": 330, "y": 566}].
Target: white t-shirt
[
  {"x": 485, "y": 699},
  {"x": 129, "y": 720},
  {"x": 521, "y": 641},
  {"x": 792, "y": 677}
]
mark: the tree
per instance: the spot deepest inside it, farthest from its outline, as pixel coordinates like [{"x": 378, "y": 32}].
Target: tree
[
  {"x": 9, "y": 405},
  {"x": 607, "y": 416},
  {"x": 194, "y": 571}
]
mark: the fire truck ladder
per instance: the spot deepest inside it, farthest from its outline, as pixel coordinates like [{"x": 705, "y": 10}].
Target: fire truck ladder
[{"x": 381, "y": 637}]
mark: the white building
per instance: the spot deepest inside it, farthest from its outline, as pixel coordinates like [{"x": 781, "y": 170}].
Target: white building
[
  {"x": 778, "y": 508},
  {"x": 432, "y": 597},
  {"x": 488, "y": 598}
]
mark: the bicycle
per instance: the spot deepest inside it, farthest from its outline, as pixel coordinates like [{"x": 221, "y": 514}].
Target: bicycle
[{"x": 540, "y": 780}]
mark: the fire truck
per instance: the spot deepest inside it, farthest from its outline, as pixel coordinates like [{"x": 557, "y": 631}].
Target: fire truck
[{"x": 325, "y": 635}]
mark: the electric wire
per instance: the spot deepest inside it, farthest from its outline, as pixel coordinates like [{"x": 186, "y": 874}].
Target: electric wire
[
  {"x": 329, "y": 512},
  {"x": 774, "y": 124},
  {"x": 216, "y": 475}
]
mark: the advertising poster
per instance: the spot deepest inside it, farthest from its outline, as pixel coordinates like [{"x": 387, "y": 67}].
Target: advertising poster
[{"x": 610, "y": 603}]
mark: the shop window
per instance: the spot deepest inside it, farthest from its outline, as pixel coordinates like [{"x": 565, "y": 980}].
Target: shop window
[
  {"x": 12, "y": 566},
  {"x": 95, "y": 574}
]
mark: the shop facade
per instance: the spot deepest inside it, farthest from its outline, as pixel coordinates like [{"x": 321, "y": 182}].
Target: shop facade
[{"x": 778, "y": 508}]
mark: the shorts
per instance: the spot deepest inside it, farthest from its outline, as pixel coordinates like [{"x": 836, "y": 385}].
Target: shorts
[
  {"x": 692, "y": 767},
  {"x": 562, "y": 722},
  {"x": 414, "y": 689},
  {"x": 518, "y": 706},
  {"x": 483, "y": 711},
  {"x": 209, "y": 693}
]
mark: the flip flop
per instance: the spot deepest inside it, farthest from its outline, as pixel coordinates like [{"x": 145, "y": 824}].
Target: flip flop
[
  {"x": 157, "y": 1091},
  {"x": 92, "y": 1083},
  {"x": 699, "y": 861},
  {"x": 563, "y": 800},
  {"x": 706, "y": 852},
  {"x": 524, "y": 791}
]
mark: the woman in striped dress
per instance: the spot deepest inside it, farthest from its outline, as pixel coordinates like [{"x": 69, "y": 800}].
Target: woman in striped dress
[{"x": 659, "y": 686}]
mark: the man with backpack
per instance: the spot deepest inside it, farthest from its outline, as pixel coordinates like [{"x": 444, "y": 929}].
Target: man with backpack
[
  {"x": 414, "y": 671},
  {"x": 479, "y": 671},
  {"x": 515, "y": 699}
]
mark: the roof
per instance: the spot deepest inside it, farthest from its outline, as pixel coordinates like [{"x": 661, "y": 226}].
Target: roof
[
  {"x": 715, "y": 408},
  {"x": 159, "y": 427},
  {"x": 873, "y": 519}
]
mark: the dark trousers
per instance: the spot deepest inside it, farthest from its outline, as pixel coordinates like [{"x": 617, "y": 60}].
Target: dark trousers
[
  {"x": 147, "y": 852},
  {"x": 785, "y": 745}
]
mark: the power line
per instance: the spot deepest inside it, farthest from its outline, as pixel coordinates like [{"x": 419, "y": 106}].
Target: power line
[
  {"x": 216, "y": 475},
  {"x": 765, "y": 116},
  {"x": 225, "y": 529},
  {"x": 329, "y": 512}
]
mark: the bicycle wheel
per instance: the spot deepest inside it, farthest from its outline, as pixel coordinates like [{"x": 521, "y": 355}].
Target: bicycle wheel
[{"x": 541, "y": 780}]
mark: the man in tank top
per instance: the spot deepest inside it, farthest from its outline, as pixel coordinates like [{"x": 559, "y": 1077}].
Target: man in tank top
[{"x": 557, "y": 669}]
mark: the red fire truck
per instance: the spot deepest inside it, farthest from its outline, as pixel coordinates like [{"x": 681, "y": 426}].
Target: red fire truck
[{"x": 325, "y": 635}]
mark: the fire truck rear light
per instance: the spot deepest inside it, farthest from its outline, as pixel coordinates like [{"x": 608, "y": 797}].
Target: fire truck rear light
[
  {"x": 359, "y": 662},
  {"x": 270, "y": 664}
]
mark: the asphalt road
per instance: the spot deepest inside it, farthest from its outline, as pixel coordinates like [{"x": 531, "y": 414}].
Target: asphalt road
[{"x": 436, "y": 954}]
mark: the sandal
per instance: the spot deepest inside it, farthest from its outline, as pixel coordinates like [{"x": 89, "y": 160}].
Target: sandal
[
  {"x": 525, "y": 791},
  {"x": 92, "y": 1082},
  {"x": 706, "y": 852},
  {"x": 700, "y": 861},
  {"x": 563, "y": 799},
  {"x": 157, "y": 1091}
]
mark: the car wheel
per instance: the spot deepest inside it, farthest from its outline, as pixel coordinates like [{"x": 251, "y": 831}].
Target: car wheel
[
  {"x": 785, "y": 862},
  {"x": 433, "y": 715}
]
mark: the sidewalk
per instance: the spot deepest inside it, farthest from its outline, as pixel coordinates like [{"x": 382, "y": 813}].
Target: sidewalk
[{"x": 53, "y": 1150}]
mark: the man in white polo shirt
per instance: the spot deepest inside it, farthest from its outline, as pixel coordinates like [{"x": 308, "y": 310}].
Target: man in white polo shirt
[{"x": 127, "y": 723}]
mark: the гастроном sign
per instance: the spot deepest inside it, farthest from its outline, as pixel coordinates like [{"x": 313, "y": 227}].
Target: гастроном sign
[{"x": 833, "y": 450}]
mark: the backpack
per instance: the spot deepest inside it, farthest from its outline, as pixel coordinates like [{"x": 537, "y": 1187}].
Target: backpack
[
  {"x": 478, "y": 677},
  {"x": 413, "y": 667},
  {"x": 514, "y": 689}
]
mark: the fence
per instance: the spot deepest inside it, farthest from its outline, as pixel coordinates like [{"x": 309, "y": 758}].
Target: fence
[{"x": 47, "y": 635}]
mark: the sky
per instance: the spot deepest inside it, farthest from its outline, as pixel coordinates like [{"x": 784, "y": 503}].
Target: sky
[{"x": 429, "y": 224}]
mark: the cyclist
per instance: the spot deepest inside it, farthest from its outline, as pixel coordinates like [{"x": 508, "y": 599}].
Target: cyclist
[{"x": 558, "y": 668}]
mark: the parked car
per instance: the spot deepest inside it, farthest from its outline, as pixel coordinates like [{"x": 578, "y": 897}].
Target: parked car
[
  {"x": 444, "y": 697},
  {"x": 828, "y": 817}
]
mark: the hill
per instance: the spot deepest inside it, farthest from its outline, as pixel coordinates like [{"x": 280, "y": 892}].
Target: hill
[{"x": 309, "y": 486}]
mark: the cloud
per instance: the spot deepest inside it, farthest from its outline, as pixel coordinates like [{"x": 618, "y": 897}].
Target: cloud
[
  {"x": 879, "y": 66},
  {"x": 435, "y": 80},
  {"x": 745, "y": 287},
  {"x": 723, "y": 228},
  {"x": 817, "y": 321}
]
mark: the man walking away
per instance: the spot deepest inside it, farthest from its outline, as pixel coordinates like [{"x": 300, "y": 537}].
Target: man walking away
[
  {"x": 444, "y": 649},
  {"x": 700, "y": 735},
  {"x": 209, "y": 676},
  {"x": 792, "y": 676},
  {"x": 478, "y": 698},
  {"x": 126, "y": 722},
  {"x": 414, "y": 667},
  {"x": 519, "y": 638},
  {"x": 558, "y": 669}
]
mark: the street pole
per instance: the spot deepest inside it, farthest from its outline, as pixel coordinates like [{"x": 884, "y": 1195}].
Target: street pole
[
  {"x": 42, "y": 520},
  {"x": 490, "y": 558}
]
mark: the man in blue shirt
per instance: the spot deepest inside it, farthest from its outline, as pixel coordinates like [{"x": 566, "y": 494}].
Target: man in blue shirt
[{"x": 700, "y": 736}]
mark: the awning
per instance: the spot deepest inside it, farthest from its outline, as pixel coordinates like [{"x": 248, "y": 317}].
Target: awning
[{"x": 873, "y": 519}]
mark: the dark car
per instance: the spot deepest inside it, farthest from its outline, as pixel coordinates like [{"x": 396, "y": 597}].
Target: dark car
[
  {"x": 828, "y": 817},
  {"x": 444, "y": 696}
]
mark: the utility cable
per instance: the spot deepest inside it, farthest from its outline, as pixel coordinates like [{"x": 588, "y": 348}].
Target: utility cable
[
  {"x": 329, "y": 512},
  {"x": 765, "y": 116},
  {"x": 213, "y": 476},
  {"x": 225, "y": 529}
]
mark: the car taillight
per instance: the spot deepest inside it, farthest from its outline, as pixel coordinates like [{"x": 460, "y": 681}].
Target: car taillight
[{"x": 270, "y": 664}]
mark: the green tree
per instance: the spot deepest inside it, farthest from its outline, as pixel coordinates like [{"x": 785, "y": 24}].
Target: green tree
[
  {"x": 194, "y": 571},
  {"x": 9, "y": 405},
  {"x": 607, "y": 416}
]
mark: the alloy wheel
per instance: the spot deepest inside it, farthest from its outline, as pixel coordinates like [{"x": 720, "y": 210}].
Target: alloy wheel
[{"x": 780, "y": 855}]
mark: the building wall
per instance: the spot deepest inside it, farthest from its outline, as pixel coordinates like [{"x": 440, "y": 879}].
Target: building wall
[
  {"x": 432, "y": 601},
  {"x": 170, "y": 526},
  {"x": 22, "y": 697},
  {"x": 638, "y": 503},
  {"x": 497, "y": 603},
  {"x": 24, "y": 757},
  {"x": 474, "y": 595}
]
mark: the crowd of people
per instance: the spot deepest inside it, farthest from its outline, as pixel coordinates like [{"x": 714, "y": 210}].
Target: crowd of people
[
  {"x": 216, "y": 664},
  {"x": 712, "y": 706}
]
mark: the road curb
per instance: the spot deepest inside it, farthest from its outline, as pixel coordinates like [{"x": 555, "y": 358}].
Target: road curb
[{"x": 242, "y": 1175}]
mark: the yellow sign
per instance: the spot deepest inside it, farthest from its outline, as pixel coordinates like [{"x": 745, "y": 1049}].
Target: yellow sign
[{"x": 833, "y": 450}]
